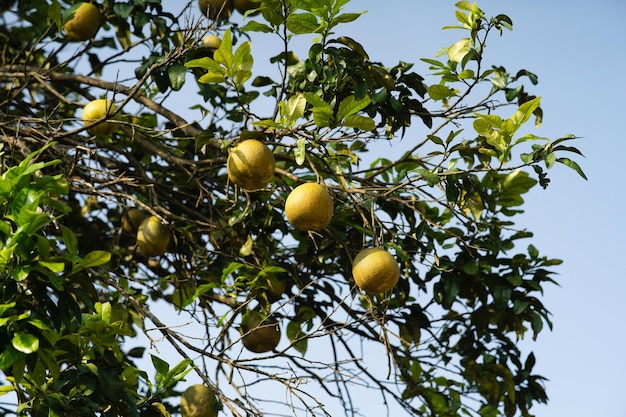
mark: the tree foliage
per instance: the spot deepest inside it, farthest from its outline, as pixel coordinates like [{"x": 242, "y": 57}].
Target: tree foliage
[{"x": 84, "y": 315}]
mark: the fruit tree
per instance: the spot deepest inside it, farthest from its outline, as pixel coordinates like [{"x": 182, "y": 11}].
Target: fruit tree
[{"x": 269, "y": 216}]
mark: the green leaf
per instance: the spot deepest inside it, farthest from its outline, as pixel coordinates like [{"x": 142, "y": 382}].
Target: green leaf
[
  {"x": 205, "y": 63},
  {"x": 212, "y": 77},
  {"x": 440, "y": 92},
  {"x": 573, "y": 165},
  {"x": 160, "y": 365},
  {"x": 104, "y": 311},
  {"x": 359, "y": 122},
  {"x": 350, "y": 105},
  {"x": 302, "y": 23},
  {"x": 95, "y": 258},
  {"x": 293, "y": 109},
  {"x": 56, "y": 267},
  {"x": 9, "y": 356},
  {"x": 224, "y": 54},
  {"x": 25, "y": 343},
  {"x": 502, "y": 295},
  {"x": 352, "y": 44},
  {"x": 70, "y": 240},
  {"x": 524, "y": 111},
  {"x": 347, "y": 17},
  {"x": 297, "y": 336},
  {"x": 242, "y": 63},
  {"x": 466, "y": 74},
  {"x": 255, "y": 26},
  {"x": 519, "y": 306},
  {"x": 457, "y": 52},
  {"x": 300, "y": 151},
  {"x": 177, "y": 74}
]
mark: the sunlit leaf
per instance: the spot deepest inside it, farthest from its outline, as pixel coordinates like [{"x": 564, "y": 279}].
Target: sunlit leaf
[
  {"x": 457, "y": 52},
  {"x": 25, "y": 342}
]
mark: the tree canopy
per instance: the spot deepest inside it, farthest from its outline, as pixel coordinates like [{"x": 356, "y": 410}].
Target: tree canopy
[{"x": 116, "y": 227}]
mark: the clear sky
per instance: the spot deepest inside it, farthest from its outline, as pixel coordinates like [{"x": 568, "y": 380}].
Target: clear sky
[{"x": 577, "y": 50}]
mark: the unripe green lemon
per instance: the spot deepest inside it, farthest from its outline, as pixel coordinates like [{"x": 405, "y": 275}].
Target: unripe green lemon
[
  {"x": 131, "y": 220},
  {"x": 82, "y": 22},
  {"x": 309, "y": 207},
  {"x": 242, "y": 6},
  {"x": 375, "y": 270},
  {"x": 96, "y": 110},
  {"x": 198, "y": 401},
  {"x": 259, "y": 335},
  {"x": 153, "y": 237},
  {"x": 250, "y": 165}
]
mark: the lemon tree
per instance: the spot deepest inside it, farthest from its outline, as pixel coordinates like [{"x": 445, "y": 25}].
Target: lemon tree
[{"x": 257, "y": 223}]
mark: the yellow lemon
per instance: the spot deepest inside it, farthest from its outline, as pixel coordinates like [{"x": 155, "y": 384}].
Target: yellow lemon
[
  {"x": 250, "y": 165},
  {"x": 309, "y": 207},
  {"x": 375, "y": 270},
  {"x": 198, "y": 401},
  {"x": 259, "y": 335},
  {"x": 211, "y": 41},
  {"x": 82, "y": 22},
  {"x": 153, "y": 237},
  {"x": 216, "y": 9},
  {"x": 96, "y": 110}
]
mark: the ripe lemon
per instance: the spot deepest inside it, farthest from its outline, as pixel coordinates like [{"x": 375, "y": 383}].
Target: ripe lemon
[
  {"x": 309, "y": 207},
  {"x": 211, "y": 41},
  {"x": 242, "y": 6},
  {"x": 153, "y": 237},
  {"x": 216, "y": 9},
  {"x": 259, "y": 335},
  {"x": 96, "y": 110},
  {"x": 82, "y": 22},
  {"x": 198, "y": 401},
  {"x": 250, "y": 165},
  {"x": 375, "y": 270},
  {"x": 131, "y": 220}
]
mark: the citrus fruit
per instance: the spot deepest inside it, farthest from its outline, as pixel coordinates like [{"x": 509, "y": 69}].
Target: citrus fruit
[
  {"x": 242, "y": 6},
  {"x": 215, "y": 9},
  {"x": 375, "y": 270},
  {"x": 259, "y": 335},
  {"x": 96, "y": 110},
  {"x": 250, "y": 165},
  {"x": 131, "y": 220},
  {"x": 153, "y": 237},
  {"x": 198, "y": 401},
  {"x": 211, "y": 41},
  {"x": 82, "y": 21},
  {"x": 309, "y": 207}
]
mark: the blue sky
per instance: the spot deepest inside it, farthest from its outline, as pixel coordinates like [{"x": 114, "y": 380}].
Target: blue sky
[{"x": 576, "y": 48}]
